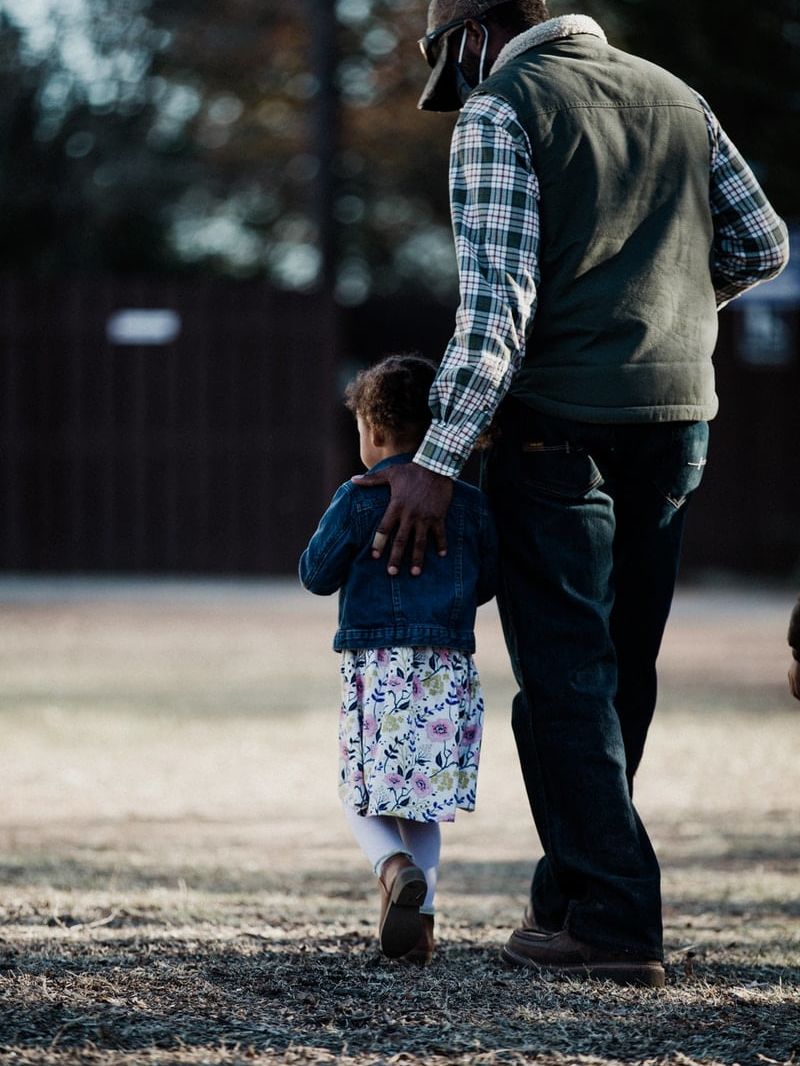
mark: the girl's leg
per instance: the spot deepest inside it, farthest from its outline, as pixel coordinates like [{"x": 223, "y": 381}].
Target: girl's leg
[
  {"x": 378, "y": 837},
  {"x": 423, "y": 840}
]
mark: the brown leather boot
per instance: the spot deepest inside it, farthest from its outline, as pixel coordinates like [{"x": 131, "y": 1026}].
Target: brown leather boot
[
  {"x": 403, "y": 889},
  {"x": 422, "y": 953},
  {"x": 562, "y": 953}
]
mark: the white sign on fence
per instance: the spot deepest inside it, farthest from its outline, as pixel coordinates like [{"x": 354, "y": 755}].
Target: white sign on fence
[{"x": 143, "y": 326}]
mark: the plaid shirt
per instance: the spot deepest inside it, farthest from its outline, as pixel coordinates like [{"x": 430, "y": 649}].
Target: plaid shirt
[{"x": 494, "y": 204}]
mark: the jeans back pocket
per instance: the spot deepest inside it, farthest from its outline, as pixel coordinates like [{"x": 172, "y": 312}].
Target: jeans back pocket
[
  {"x": 559, "y": 470},
  {"x": 680, "y": 470}
]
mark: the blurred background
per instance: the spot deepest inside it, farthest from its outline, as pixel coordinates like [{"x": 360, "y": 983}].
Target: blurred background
[{"x": 211, "y": 214}]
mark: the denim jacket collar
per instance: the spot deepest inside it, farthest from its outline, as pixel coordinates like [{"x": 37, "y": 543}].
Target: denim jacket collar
[{"x": 391, "y": 460}]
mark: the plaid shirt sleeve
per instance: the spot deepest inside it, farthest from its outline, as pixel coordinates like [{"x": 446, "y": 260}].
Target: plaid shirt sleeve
[
  {"x": 494, "y": 207},
  {"x": 751, "y": 243}
]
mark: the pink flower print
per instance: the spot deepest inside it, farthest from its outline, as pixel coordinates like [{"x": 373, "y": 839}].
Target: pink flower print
[
  {"x": 459, "y": 692},
  {"x": 417, "y": 688},
  {"x": 396, "y": 682},
  {"x": 382, "y": 655},
  {"x": 421, "y": 785},
  {"x": 359, "y": 686},
  {"x": 444, "y": 656},
  {"x": 369, "y": 726},
  {"x": 393, "y": 780},
  {"x": 470, "y": 734},
  {"x": 357, "y": 777},
  {"x": 440, "y": 729},
  {"x": 344, "y": 748}
]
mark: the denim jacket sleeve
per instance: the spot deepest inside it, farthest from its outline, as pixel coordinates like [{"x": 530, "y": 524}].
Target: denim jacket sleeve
[
  {"x": 487, "y": 577},
  {"x": 326, "y": 561}
]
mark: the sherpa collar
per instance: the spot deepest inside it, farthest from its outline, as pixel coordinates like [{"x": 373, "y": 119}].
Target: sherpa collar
[{"x": 551, "y": 30}]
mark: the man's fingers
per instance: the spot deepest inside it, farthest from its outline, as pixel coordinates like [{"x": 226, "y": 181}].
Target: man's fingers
[
  {"x": 418, "y": 552},
  {"x": 391, "y": 516},
  {"x": 440, "y": 536},
  {"x": 417, "y": 509},
  {"x": 398, "y": 547},
  {"x": 379, "y": 542}
]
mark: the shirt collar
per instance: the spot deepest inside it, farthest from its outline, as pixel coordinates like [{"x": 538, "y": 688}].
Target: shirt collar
[{"x": 551, "y": 30}]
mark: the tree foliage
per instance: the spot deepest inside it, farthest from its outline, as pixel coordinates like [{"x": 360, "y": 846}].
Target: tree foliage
[{"x": 171, "y": 136}]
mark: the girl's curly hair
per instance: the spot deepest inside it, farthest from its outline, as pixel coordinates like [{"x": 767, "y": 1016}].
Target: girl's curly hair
[{"x": 392, "y": 396}]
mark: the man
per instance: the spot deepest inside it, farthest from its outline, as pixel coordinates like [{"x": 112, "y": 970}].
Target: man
[
  {"x": 601, "y": 218},
  {"x": 794, "y": 644}
]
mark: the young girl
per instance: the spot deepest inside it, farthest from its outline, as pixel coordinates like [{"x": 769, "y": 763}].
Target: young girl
[{"x": 412, "y": 709}]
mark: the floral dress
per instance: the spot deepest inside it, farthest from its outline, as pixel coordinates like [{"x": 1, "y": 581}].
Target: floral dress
[{"x": 409, "y": 732}]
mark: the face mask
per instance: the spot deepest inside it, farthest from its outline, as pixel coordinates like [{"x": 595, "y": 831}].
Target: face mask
[{"x": 463, "y": 87}]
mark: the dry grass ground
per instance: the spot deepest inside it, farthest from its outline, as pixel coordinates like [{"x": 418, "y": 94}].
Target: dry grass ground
[{"x": 176, "y": 884}]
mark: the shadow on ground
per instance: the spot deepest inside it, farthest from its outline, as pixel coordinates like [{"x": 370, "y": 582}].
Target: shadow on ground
[{"x": 336, "y": 993}]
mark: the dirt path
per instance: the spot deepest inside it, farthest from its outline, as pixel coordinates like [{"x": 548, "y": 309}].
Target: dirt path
[{"x": 177, "y": 885}]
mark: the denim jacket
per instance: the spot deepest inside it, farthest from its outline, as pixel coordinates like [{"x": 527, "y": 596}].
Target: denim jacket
[{"x": 377, "y": 610}]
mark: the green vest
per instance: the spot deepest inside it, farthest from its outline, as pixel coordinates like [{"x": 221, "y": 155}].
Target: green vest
[{"x": 626, "y": 318}]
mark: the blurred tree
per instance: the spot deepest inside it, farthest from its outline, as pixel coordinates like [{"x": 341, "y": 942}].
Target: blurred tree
[
  {"x": 139, "y": 136},
  {"x": 389, "y": 204},
  {"x": 76, "y": 190},
  {"x": 166, "y": 135}
]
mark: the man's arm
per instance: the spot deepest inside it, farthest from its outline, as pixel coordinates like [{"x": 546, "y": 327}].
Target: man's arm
[
  {"x": 751, "y": 242},
  {"x": 494, "y": 204},
  {"x": 494, "y": 196}
]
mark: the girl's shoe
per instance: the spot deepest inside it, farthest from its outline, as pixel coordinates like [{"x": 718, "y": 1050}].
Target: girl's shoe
[
  {"x": 422, "y": 953},
  {"x": 403, "y": 889}
]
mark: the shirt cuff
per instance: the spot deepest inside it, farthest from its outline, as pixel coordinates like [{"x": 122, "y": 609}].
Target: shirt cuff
[{"x": 444, "y": 449}]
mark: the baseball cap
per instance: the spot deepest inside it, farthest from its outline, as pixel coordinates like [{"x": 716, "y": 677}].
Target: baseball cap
[{"x": 445, "y": 17}]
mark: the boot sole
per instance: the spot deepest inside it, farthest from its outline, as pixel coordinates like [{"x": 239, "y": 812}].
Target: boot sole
[
  {"x": 649, "y": 974},
  {"x": 418, "y": 958},
  {"x": 402, "y": 925}
]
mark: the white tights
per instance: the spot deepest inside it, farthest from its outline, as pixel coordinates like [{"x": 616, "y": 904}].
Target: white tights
[{"x": 381, "y": 836}]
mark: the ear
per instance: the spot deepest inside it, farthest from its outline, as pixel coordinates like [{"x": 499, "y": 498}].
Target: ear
[
  {"x": 377, "y": 436},
  {"x": 475, "y": 35}
]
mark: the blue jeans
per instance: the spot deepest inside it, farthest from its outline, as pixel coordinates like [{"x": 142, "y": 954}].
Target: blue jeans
[{"x": 590, "y": 519}]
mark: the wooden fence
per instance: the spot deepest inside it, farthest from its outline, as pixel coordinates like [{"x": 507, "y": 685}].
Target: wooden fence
[
  {"x": 746, "y": 515},
  {"x": 217, "y": 449},
  {"x": 211, "y": 452}
]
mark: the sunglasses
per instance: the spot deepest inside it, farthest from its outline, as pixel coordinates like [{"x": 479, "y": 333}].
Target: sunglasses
[{"x": 430, "y": 44}]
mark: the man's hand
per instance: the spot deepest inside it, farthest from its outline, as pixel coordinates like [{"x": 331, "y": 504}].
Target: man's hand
[
  {"x": 794, "y": 679},
  {"x": 417, "y": 509}
]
